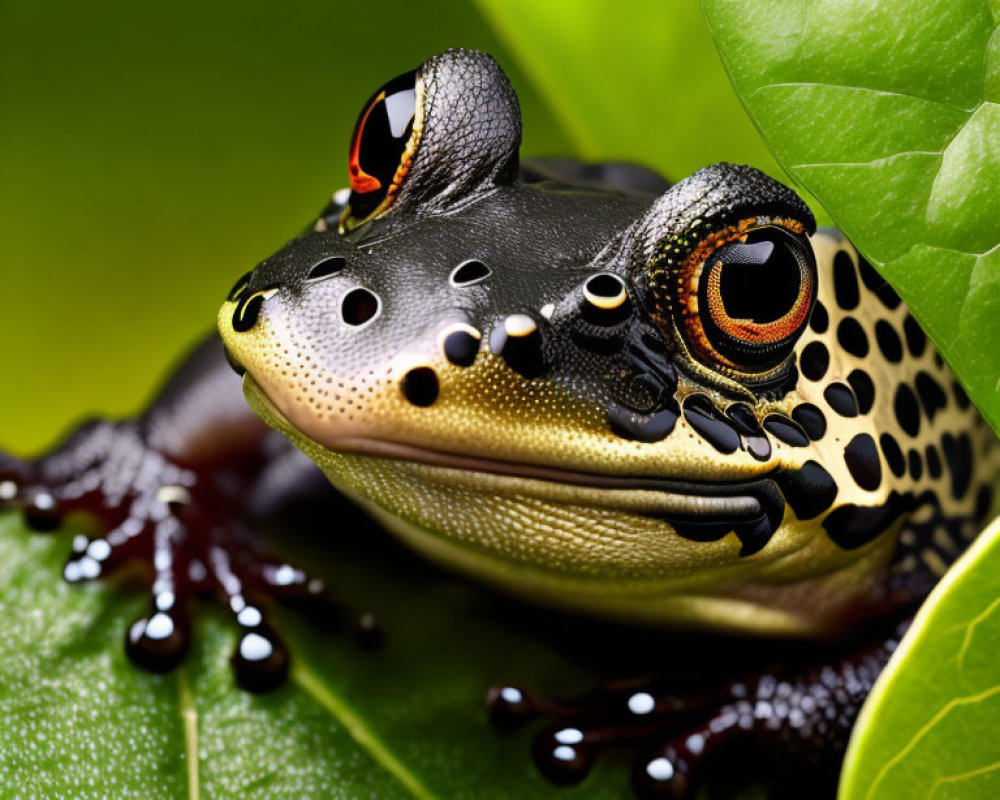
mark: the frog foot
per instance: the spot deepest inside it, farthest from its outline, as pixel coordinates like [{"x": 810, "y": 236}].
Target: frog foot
[
  {"x": 184, "y": 526},
  {"x": 808, "y": 712}
]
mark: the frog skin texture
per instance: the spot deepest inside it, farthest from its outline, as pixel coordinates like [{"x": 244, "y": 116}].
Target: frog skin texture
[{"x": 675, "y": 406}]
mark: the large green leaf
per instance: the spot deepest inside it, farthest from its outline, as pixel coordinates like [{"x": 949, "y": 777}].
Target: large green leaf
[
  {"x": 928, "y": 730},
  {"x": 888, "y": 113},
  {"x": 636, "y": 81},
  {"x": 406, "y": 721},
  {"x": 409, "y": 721}
]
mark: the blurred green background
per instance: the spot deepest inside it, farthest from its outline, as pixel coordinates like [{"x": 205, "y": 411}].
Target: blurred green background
[{"x": 151, "y": 154}]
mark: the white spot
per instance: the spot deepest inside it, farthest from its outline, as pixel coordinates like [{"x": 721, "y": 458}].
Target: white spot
[
  {"x": 44, "y": 501},
  {"x": 285, "y": 575},
  {"x": 162, "y": 560},
  {"x": 237, "y": 603},
  {"x": 159, "y": 626},
  {"x": 197, "y": 572},
  {"x": 250, "y": 617},
  {"x": 254, "y": 647},
  {"x": 79, "y": 543},
  {"x": 564, "y": 753},
  {"x": 173, "y": 494},
  {"x": 341, "y": 196},
  {"x": 660, "y": 769},
  {"x": 511, "y": 695},
  {"x": 99, "y": 549},
  {"x": 165, "y": 601},
  {"x": 8, "y": 490},
  {"x": 89, "y": 568},
  {"x": 519, "y": 325},
  {"x": 135, "y": 632},
  {"x": 641, "y": 703},
  {"x": 548, "y": 310},
  {"x": 569, "y": 736},
  {"x": 71, "y": 572},
  {"x": 695, "y": 744}
]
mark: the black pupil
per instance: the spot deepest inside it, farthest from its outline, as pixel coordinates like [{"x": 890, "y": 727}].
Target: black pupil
[
  {"x": 760, "y": 280},
  {"x": 380, "y": 140}
]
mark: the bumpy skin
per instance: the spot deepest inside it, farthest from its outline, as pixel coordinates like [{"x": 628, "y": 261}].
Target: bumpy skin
[{"x": 513, "y": 371}]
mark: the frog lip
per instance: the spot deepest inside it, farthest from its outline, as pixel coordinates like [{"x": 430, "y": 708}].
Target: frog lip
[{"x": 705, "y": 509}]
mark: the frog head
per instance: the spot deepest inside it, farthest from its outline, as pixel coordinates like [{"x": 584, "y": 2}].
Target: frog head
[{"x": 603, "y": 399}]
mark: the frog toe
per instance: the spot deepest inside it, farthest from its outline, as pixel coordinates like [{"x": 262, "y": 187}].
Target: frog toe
[{"x": 805, "y": 711}]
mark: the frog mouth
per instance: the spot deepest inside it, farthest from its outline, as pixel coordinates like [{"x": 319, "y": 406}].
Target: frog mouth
[{"x": 703, "y": 511}]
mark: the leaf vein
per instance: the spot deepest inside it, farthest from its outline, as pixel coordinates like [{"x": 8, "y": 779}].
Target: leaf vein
[
  {"x": 358, "y": 730},
  {"x": 926, "y": 728},
  {"x": 869, "y": 89},
  {"x": 963, "y": 776}
]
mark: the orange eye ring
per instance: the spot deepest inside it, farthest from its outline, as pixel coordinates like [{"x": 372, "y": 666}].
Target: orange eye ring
[{"x": 745, "y": 298}]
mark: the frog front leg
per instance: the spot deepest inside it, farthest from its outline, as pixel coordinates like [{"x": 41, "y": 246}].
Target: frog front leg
[
  {"x": 179, "y": 491},
  {"x": 796, "y": 708}
]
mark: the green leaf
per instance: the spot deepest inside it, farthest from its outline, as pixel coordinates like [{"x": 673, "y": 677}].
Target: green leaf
[
  {"x": 928, "y": 729},
  {"x": 407, "y": 721},
  {"x": 637, "y": 82},
  {"x": 888, "y": 113}
]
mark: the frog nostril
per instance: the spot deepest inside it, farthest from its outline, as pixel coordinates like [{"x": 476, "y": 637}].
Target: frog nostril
[
  {"x": 420, "y": 386},
  {"x": 246, "y": 313},
  {"x": 326, "y": 268},
  {"x": 359, "y": 306},
  {"x": 469, "y": 272}
]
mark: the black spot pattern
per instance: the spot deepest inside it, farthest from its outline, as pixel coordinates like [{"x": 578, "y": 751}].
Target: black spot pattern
[
  {"x": 916, "y": 339},
  {"x": 864, "y": 390},
  {"x": 809, "y": 490},
  {"x": 877, "y": 284},
  {"x": 861, "y": 456},
  {"x": 907, "y": 410},
  {"x": 811, "y": 419},
  {"x": 841, "y": 398},
  {"x": 933, "y": 461},
  {"x": 961, "y": 398},
  {"x": 638, "y": 427},
  {"x": 852, "y": 526},
  {"x": 523, "y": 354},
  {"x": 852, "y": 337},
  {"x": 916, "y": 465},
  {"x": 814, "y": 361},
  {"x": 460, "y": 348},
  {"x": 787, "y": 431},
  {"x": 932, "y": 396},
  {"x": 984, "y": 502},
  {"x": 712, "y": 426},
  {"x": 420, "y": 386},
  {"x": 893, "y": 454},
  {"x": 889, "y": 342},
  {"x": 845, "y": 281},
  {"x": 757, "y": 444},
  {"x": 958, "y": 455},
  {"x": 820, "y": 319}
]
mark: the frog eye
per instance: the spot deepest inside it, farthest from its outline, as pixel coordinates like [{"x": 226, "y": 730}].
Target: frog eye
[
  {"x": 743, "y": 307},
  {"x": 384, "y": 141}
]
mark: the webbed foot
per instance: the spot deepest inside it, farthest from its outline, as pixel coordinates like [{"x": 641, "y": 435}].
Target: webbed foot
[
  {"x": 185, "y": 526},
  {"x": 806, "y": 711}
]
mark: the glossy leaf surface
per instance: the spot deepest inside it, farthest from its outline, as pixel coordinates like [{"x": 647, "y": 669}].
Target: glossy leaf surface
[
  {"x": 928, "y": 728},
  {"x": 889, "y": 113}
]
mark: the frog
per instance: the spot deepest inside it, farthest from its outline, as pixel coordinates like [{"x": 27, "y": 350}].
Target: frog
[{"x": 674, "y": 406}]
